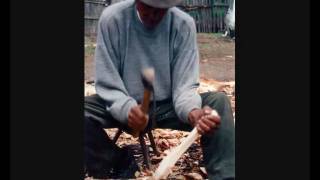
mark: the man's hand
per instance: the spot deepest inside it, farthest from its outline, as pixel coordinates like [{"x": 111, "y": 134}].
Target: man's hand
[
  {"x": 194, "y": 116},
  {"x": 205, "y": 122},
  {"x": 137, "y": 120}
]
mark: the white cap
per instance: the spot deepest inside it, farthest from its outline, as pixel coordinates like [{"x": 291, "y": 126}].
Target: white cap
[{"x": 161, "y": 3}]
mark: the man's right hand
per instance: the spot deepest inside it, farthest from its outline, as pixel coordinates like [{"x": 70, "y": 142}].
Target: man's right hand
[{"x": 137, "y": 120}]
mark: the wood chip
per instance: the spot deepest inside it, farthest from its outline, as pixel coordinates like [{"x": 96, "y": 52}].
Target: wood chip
[
  {"x": 136, "y": 174},
  {"x": 203, "y": 170},
  {"x": 163, "y": 144},
  {"x": 194, "y": 176}
]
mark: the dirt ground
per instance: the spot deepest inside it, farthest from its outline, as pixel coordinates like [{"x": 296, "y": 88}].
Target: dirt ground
[{"x": 217, "y": 57}]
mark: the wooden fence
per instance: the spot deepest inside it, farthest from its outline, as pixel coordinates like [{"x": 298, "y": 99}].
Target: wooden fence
[{"x": 209, "y": 15}]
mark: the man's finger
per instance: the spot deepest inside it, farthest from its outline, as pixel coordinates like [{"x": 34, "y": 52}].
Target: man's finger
[
  {"x": 204, "y": 127},
  {"x": 136, "y": 111},
  {"x": 209, "y": 123},
  {"x": 199, "y": 129},
  {"x": 214, "y": 113},
  {"x": 140, "y": 116},
  {"x": 214, "y": 116},
  {"x": 136, "y": 119},
  {"x": 130, "y": 116},
  {"x": 207, "y": 110},
  {"x": 215, "y": 119}
]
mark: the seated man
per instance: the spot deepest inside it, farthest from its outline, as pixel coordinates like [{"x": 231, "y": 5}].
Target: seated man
[{"x": 133, "y": 35}]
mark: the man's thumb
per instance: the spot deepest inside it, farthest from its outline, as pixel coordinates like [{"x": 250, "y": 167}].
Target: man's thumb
[{"x": 207, "y": 110}]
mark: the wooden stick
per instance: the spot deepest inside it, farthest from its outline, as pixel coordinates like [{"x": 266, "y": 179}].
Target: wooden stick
[
  {"x": 144, "y": 108},
  {"x": 145, "y": 151},
  {"x": 153, "y": 144},
  {"x": 169, "y": 161},
  {"x": 117, "y": 135},
  {"x": 147, "y": 79},
  {"x": 146, "y": 101}
]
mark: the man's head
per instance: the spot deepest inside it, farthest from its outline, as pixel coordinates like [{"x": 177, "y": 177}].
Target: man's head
[{"x": 152, "y": 11}]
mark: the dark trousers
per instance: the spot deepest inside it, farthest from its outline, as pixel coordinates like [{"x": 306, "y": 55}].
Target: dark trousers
[{"x": 218, "y": 148}]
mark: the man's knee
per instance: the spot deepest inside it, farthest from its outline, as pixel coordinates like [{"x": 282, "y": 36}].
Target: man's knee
[
  {"x": 91, "y": 99},
  {"x": 218, "y": 98},
  {"x": 221, "y": 97},
  {"x": 88, "y": 102},
  {"x": 94, "y": 106}
]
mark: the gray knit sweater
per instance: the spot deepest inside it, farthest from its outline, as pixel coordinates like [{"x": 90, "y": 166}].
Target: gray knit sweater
[{"x": 125, "y": 47}]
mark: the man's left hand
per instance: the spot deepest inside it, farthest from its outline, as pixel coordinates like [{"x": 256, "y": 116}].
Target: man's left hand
[{"x": 207, "y": 123}]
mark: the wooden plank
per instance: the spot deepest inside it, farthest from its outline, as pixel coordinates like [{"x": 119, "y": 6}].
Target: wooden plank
[
  {"x": 169, "y": 161},
  {"x": 207, "y": 17}
]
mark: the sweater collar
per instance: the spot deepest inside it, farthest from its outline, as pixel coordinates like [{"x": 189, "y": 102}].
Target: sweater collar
[{"x": 137, "y": 22}]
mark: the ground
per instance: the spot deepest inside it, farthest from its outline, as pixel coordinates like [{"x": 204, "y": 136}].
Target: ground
[
  {"x": 217, "y": 57},
  {"x": 217, "y": 72}
]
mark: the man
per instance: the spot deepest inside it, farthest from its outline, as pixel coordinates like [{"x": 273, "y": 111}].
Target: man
[{"x": 133, "y": 35}]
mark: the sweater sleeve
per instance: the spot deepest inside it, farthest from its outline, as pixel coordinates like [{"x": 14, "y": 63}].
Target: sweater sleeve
[
  {"x": 109, "y": 85},
  {"x": 185, "y": 74}
]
